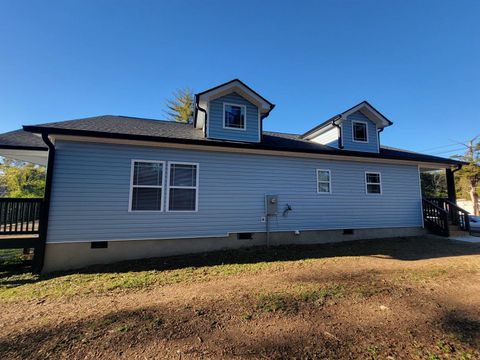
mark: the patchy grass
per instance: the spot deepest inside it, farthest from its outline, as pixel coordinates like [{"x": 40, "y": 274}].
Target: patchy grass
[{"x": 383, "y": 299}]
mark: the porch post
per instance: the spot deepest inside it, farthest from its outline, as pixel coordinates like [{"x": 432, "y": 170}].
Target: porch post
[{"x": 451, "y": 185}]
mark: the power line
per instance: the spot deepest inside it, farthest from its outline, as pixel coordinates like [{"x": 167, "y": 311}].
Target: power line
[
  {"x": 439, "y": 147},
  {"x": 448, "y": 151}
]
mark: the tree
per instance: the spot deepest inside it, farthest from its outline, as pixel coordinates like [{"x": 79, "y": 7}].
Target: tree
[
  {"x": 21, "y": 180},
  {"x": 469, "y": 174},
  {"x": 434, "y": 184},
  {"x": 180, "y": 108}
]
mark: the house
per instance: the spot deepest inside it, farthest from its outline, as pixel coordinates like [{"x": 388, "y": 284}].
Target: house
[{"x": 126, "y": 188}]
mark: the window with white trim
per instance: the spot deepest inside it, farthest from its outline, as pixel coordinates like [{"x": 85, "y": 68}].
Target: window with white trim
[
  {"x": 359, "y": 130},
  {"x": 373, "y": 182},
  {"x": 182, "y": 186},
  {"x": 324, "y": 185},
  {"x": 146, "y": 190},
  {"x": 234, "y": 116}
]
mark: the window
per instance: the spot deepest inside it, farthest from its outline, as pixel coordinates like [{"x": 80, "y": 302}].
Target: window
[
  {"x": 146, "y": 190},
  {"x": 373, "y": 183},
  {"x": 323, "y": 182},
  {"x": 359, "y": 130},
  {"x": 234, "y": 116},
  {"x": 182, "y": 186}
]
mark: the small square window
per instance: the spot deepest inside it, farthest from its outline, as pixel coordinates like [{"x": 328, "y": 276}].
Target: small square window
[
  {"x": 373, "y": 183},
  {"x": 359, "y": 131},
  {"x": 234, "y": 116}
]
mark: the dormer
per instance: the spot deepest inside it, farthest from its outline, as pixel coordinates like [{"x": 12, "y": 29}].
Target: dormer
[
  {"x": 356, "y": 129},
  {"x": 231, "y": 111}
]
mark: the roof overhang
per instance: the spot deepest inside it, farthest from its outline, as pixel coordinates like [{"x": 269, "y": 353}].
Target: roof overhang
[
  {"x": 31, "y": 155},
  {"x": 364, "y": 107},
  {"x": 202, "y": 99}
]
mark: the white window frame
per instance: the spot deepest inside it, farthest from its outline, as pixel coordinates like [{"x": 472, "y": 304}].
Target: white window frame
[
  {"x": 322, "y": 181},
  {"x": 244, "y": 120},
  {"x": 197, "y": 187},
  {"x": 370, "y": 183},
  {"x": 132, "y": 171},
  {"x": 353, "y": 131}
]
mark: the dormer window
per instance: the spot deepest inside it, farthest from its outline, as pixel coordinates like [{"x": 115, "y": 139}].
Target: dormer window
[
  {"x": 234, "y": 116},
  {"x": 359, "y": 129}
]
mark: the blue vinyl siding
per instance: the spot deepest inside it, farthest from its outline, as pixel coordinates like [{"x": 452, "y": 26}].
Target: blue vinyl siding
[
  {"x": 347, "y": 134},
  {"x": 92, "y": 182},
  {"x": 215, "y": 128}
]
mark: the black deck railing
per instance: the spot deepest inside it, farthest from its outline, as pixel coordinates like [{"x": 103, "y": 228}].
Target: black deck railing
[
  {"x": 456, "y": 214},
  {"x": 20, "y": 216},
  {"x": 435, "y": 218}
]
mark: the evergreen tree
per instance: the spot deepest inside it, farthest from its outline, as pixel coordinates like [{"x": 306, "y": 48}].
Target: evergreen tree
[{"x": 180, "y": 107}]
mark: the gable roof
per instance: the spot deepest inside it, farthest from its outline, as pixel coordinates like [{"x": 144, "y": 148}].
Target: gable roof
[
  {"x": 364, "y": 107},
  {"x": 235, "y": 85},
  {"x": 132, "y": 128}
]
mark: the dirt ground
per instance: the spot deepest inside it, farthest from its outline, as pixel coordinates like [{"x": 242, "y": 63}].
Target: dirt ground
[{"x": 412, "y": 298}]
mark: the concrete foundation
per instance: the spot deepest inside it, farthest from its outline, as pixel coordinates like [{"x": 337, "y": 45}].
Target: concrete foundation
[{"x": 66, "y": 256}]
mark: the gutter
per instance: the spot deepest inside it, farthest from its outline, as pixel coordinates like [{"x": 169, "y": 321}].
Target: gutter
[
  {"x": 220, "y": 144},
  {"x": 197, "y": 107},
  {"x": 39, "y": 255},
  {"x": 340, "y": 138}
]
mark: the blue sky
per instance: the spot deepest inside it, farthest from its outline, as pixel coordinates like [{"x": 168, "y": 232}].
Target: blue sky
[{"x": 418, "y": 62}]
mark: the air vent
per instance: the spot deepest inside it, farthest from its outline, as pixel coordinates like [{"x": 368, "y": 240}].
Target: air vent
[
  {"x": 245, "y": 236},
  {"x": 99, "y": 245}
]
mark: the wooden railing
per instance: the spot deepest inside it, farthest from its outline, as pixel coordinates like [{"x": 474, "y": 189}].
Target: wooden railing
[
  {"x": 456, "y": 214},
  {"x": 435, "y": 218},
  {"x": 20, "y": 216}
]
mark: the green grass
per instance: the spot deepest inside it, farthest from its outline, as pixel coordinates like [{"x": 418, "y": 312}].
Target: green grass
[
  {"x": 26, "y": 286},
  {"x": 291, "y": 299}
]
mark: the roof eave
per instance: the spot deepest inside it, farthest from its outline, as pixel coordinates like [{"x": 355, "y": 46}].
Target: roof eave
[{"x": 260, "y": 146}]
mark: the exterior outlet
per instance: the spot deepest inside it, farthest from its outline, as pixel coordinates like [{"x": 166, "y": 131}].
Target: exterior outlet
[{"x": 263, "y": 219}]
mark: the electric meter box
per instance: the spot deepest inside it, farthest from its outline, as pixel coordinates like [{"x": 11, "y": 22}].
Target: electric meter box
[{"x": 271, "y": 204}]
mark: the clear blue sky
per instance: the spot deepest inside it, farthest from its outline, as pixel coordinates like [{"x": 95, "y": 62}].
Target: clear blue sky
[{"x": 418, "y": 62}]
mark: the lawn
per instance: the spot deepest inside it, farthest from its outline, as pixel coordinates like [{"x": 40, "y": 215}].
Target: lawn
[{"x": 390, "y": 298}]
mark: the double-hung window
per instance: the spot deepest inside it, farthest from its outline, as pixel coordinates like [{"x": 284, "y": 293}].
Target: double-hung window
[
  {"x": 324, "y": 185},
  {"x": 146, "y": 190},
  {"x": 373, "y": 182},
  {"x": 182, "y": 186},
  {"x": 359, "y": 130},
  {"x": 234, "y": 116}
]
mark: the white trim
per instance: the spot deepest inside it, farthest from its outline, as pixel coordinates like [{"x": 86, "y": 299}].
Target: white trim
[
  {"x": 220, "y": 149},
  {"x": 228, "y": 233},
  {"x": 370, "y": 183},
  {"x": 240, "y": 89},
  {"x": 244, "y": 117},
  {"x": 130, "y": 197},
  {"x": 196, "y": 187},
  {"x": 366, "y": 131},
  {"x": 329, "y": 182},
  {"x": 421, "y": 196},
  {"x": 369, "y": 112}
]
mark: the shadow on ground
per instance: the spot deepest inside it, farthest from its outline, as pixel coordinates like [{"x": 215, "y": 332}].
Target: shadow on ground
[{"x": 407, "y": 249}]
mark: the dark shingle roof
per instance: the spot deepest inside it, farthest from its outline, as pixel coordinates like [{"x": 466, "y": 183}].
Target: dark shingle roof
[
  {"x": 20, "y": 139},
  {"x": 122, "y": 127}
]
